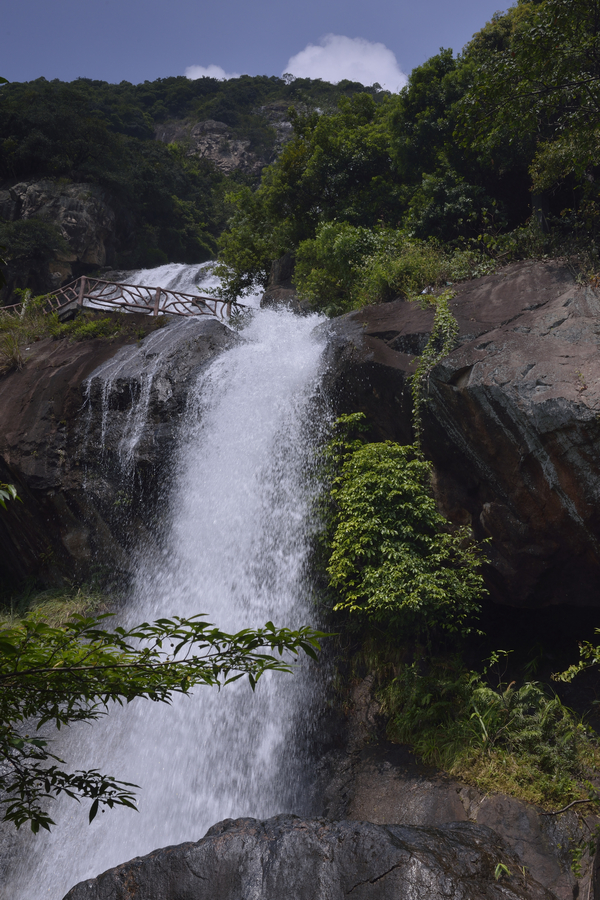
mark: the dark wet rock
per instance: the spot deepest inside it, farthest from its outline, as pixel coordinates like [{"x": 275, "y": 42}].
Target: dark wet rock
[
  {"x": 389, "y": 786},
  {"x": 314, "y": 859},
  {"x": 63, "y": 420},
  {"x": 280, "y": 290},
  {"x": 511, "y": 421}
]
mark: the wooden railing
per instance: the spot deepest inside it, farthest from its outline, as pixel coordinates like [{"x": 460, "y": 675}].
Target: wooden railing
[{"x": 156, "y": 301}]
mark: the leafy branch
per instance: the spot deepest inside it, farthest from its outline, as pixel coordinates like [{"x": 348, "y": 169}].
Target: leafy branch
[{"x": 60, "y": 675}]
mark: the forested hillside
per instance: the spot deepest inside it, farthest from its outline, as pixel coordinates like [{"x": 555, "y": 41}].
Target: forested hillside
[
  {"x": 166, "y": 199},
  {"x": 485, "y": 154},
  {"x": 488, "y": 154}
]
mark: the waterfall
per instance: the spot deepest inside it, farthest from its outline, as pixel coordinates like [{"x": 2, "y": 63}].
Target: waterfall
[{"x": 236, "y": 536}]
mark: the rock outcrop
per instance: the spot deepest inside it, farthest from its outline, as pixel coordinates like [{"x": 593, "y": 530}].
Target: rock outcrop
[
  {"x": 511, "y": 422},
  {"x": 214, "y": 141},
  {"x": 374, "y": 780},
  {"x": 313, "y": 859},
  {"x": 83, "y": 214},
  {"x": 65, "y": 418},
  {"x": 218, "y": 142}
]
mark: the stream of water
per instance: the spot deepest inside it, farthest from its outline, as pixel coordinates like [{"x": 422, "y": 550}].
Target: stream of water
[{"x": 236, "y": 541}]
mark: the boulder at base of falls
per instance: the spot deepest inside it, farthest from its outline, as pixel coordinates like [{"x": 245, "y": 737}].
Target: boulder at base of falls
[
  {"x": 314, "y": 859},
  {"x": 511, "y": 419}
]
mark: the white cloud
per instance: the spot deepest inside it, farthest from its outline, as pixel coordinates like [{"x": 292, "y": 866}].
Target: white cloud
[
  {"x": 193, "y": 72},
  {"x": 337, "y": 57}
]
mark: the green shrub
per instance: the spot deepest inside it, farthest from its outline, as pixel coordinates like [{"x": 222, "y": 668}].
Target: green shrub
[
  {"x": 53, "y": 605},
  {"x": 345, "y": 267},
  {"x": 20, "y": 329},
  {"x": 10, "y": 352},
  {"x": 401, "y": 271},
  {"x": 84, "y": 328},
  {"x": 393, "y": 558},
  {"x": 328, "y": 267},
  {"x": 33, "y": 240}
]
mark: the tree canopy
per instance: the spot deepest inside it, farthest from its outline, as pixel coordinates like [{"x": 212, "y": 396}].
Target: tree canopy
[
  {"x": 456, "y": 159},
  {"x": 169, "y": 203}
]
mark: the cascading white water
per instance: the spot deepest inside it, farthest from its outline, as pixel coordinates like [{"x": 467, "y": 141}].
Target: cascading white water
[
  {"x": 187, "y": 279},
  {"x": 237, "y": 532},
  {"x": 174, "y": 277}
]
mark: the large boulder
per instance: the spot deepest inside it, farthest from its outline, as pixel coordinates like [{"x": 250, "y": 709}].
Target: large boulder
[
  {"x": 511, "y": 422},
  {"x": 316, "y": 859}
]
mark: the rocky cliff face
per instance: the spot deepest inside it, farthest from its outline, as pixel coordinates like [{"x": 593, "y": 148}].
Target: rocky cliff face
[
  {"x": 511, "y": 424},
  {"x": 82, "y": 213},
  {"x": 511, "y": 421},
  {"x": 214, "y": 141},
  {"x": 217, "y": 142},
  {"x": 87, "y": 435}
]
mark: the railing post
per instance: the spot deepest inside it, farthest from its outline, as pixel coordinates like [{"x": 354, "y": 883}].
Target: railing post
[
  {"x": 156, "y": 301},
  {"x": 81, "y": 291},
  {"x": 228, "y": 313}
]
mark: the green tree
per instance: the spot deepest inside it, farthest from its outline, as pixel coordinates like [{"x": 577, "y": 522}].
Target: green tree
[
  {"x": 541, "y": 85},
  {"x": 335, "y": 167},
  {"x": 55, "y": 676}
]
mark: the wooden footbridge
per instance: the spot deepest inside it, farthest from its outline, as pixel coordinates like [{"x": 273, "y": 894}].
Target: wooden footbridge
[{"x": 95, "y": 293}]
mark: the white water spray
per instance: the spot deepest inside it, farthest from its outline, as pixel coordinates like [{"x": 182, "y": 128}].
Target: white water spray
[{"x": 236, "y": 542}]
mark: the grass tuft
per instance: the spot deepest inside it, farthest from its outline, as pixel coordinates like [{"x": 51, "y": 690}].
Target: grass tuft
[{"x": 55, "y": 606}]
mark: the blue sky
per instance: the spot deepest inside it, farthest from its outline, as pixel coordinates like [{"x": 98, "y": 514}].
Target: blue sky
[{"x": 138, "y": 40}]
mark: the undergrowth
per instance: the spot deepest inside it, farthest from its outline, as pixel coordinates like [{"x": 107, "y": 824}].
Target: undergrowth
[
  {"x": 54, "y": 605},
  {"x": 402, "y": 588},
  {"x": 517, "y": 739},
  {"x": 346, "y": 267},
  {"x": 18, "y": 330}
]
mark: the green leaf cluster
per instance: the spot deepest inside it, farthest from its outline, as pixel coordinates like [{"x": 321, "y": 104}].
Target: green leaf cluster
[
  {"x": 7, "y": 492},
  {"x": 393, "y": 559},
  {"x": 346, "y": 266},
  {"x": 454, "y": 157},
  {"x": 542, "y": 84}
]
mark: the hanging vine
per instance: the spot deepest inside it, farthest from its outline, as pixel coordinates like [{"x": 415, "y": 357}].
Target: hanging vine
[{"x": 441, "y": 342}]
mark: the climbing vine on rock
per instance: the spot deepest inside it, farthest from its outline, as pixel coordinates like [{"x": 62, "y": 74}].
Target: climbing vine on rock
[{"x": 441, "y": 342}]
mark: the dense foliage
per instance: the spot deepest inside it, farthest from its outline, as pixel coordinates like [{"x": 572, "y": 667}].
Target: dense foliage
[
  {"x": 53, "y": 676},
  {"x": 519, "y": 739},
  {"x": 473, "y": 149},
  {"x": 169, "y": 205},
  {"x": 22, "y": 327},
  {"x": 393, "y": 559},
  {"x": 459, "y": 159}
]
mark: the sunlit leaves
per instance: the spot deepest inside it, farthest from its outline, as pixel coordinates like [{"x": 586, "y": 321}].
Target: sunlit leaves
[
  {"x": 393, "y": 558},
  {"x": 542, "y": 84}
]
